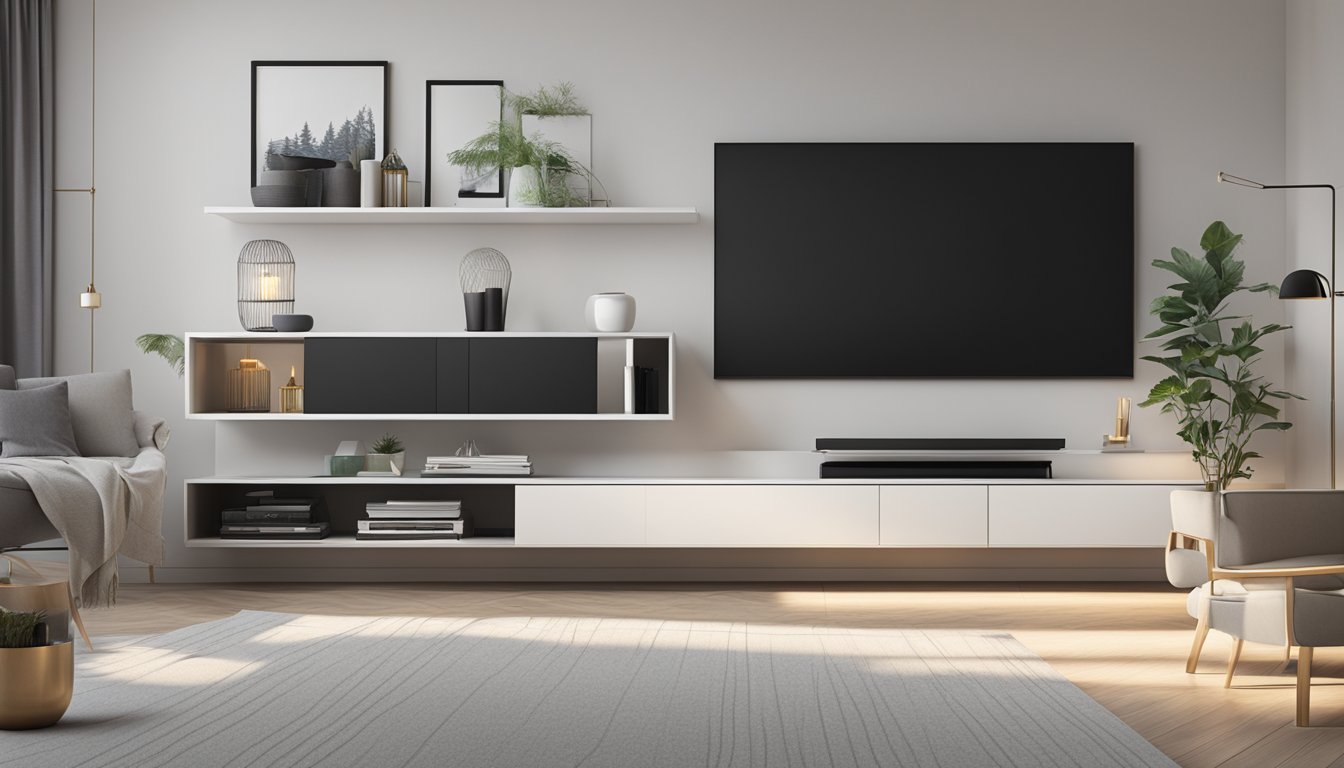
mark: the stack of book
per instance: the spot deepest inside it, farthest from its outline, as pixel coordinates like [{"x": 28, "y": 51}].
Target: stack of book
[
  {"x": 392, "y": 520},
  {"x": 445, "y": 466},
  {"x": 268, "y": 516}
]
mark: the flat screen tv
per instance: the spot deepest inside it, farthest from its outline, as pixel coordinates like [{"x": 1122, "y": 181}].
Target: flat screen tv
[{"x": 923, "y": 260}]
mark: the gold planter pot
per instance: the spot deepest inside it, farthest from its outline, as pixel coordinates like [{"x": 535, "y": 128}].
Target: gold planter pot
[{"x": 35, "y": 685}]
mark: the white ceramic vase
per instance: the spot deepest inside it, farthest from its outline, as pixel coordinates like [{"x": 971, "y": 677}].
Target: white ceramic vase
[
  {"x": 610, "y": 312},
  {"x": 524, "y": 187}
]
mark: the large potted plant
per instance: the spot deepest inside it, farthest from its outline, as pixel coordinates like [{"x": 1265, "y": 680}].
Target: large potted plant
[
  {"x": 1219, "y": 401},
  {"x": 36, "y": 676}
]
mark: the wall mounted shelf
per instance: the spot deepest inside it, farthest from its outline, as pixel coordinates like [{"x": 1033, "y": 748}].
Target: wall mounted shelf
[
  {"x": 251, "y": 215},
  {"x": 441, "y": 376}
]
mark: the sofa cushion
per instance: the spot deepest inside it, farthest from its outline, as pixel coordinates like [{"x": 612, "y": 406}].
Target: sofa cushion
[
  {"x": 7, "y": 377},
  {"x": 36, "y": 422},
  {"x": 100, "y": 410}
]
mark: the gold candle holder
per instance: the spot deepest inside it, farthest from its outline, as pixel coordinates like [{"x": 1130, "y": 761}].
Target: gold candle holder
[
  {"x": 291, "y": 395},
  {"x": 248, "y": 387},
  {"x": 1121, "y": 436}
]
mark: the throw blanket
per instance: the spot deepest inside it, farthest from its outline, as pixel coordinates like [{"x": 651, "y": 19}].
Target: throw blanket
[{"x": 102, "y": 507}]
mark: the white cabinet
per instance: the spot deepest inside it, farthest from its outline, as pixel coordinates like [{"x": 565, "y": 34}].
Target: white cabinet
[
  {"x": 579, "y": 516},
  {"x": 762, "y": 516},
  {"x": 934, "y": 516},
  {"x": 1079, "y": 515}
]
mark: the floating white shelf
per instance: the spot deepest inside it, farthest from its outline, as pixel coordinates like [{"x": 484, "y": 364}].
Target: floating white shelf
[
  {"x": 347, "y": 541},
  {"x": 250, "y": 215}
]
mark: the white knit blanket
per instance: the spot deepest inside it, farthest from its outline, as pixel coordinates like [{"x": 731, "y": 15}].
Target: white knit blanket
[{"x": 102, "y": 507}]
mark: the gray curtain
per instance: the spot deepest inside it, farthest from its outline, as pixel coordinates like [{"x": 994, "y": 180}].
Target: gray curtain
[{"x": 27, "y": 271}]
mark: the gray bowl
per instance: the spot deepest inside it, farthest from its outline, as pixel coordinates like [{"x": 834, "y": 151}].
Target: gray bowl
[
  {"x": 279, "y": 196},
  {"x": 292, "y": 323}
]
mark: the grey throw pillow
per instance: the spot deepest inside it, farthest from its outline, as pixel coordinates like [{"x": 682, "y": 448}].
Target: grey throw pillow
[
  {"x": 7, "y": 377},
  {"x": 36, "y": 422},
  {"x": 100, "y": 411}
]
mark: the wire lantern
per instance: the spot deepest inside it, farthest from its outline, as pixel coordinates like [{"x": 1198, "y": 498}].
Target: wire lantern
[
  {"x": 265, "y": 283},
  {"x": 485, "y": 268}
]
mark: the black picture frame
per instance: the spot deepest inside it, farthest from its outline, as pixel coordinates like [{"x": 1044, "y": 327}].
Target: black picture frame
[
  {"x": 380, "y": 124},
  {"x": 430, "y": 161}
]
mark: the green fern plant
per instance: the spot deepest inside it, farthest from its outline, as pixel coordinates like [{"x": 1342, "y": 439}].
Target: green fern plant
[
  {"x": 19, "y": 629},
  {"x": 388, "y": 443},
  {"x": 504, "y": 145},
  {"x": 167, "y": 346},
  {"x": 556, "y": 101}
]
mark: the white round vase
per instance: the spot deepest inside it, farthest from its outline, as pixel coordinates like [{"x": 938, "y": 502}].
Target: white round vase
[
  {"x": 524, "y": 183},
  {"x": 610, "y": 312}
]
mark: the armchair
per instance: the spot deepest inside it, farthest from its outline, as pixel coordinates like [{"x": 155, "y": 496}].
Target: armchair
[{"x": 1279, "y": 556}]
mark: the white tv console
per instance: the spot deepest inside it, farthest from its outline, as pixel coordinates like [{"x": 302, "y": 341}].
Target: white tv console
[{"x": 733, "y": 513}]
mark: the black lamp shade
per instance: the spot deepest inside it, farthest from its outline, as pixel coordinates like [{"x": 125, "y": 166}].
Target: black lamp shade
[{"x": 1304, "y": 284}]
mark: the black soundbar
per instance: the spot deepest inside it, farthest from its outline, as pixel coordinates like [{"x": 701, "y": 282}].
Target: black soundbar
[
  {"x": 960, "y": 470},
  {"x": 842, "y": 444}
]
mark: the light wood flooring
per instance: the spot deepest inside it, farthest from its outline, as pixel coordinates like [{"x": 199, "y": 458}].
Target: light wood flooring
[{"x": 1125, "y": 645}]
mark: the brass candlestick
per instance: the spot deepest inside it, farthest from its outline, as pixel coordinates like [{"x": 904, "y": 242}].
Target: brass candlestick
[{"x": 1121, "y": 436}]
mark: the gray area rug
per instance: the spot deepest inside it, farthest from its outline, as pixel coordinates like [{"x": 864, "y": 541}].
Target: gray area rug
[{"x": 267, "y": 689}]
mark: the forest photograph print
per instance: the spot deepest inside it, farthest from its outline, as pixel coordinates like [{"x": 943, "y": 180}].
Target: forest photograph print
[{"x": 333, "y": 110}]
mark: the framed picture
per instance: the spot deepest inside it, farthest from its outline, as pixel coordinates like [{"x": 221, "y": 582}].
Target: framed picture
[
  {"x": 321, "y": 109},
  {"x": 457, "y": 111}
]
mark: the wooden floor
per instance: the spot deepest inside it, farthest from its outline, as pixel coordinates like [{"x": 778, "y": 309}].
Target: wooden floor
[{"x": 1125, "y": 645}]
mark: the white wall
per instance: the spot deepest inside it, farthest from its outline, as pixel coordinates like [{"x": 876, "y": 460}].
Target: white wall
[
  {"x": 1315, "y": 111},
  {"x": 1197, "y": 85}
]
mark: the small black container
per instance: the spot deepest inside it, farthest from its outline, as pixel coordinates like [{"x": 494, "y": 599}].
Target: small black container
[
  {"x": 475, "y": 306},
  {"x": 494, "y": 309}
]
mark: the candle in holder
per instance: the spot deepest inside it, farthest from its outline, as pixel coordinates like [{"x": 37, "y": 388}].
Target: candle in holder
[{"x": 291, "y": 395}]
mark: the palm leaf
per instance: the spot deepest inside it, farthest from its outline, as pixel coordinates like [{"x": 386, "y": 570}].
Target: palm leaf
[{"x": 167, "y": 346}]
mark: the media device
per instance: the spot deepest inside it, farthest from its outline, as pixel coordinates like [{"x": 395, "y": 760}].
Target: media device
[
  {"x": 931, "y": 260},
  {"x": 988, "y": 444},
  {"x": 1031, "y": 470}
]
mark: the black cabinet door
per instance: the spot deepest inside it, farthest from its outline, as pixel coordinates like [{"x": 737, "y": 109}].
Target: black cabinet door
[
  {"x": 452, "y": 367},
  {"x": 533, "y": 375},
  {"x": 370, "y": 375}
]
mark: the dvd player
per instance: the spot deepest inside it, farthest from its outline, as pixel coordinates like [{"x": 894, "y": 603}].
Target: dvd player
[{"x": 959, "y": 470}]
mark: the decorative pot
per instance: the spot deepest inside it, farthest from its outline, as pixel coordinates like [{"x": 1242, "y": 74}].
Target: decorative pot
[
  {"x": 35, "y": 685},
  {"x": 340, "y": 186},
  {"x": 385, "y": 462},
  {"x": 524, "y": 185},
  {"x": 610, "y": 312}
]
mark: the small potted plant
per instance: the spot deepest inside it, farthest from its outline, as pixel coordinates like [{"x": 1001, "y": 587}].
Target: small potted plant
[
  {"x": 386, "y": 455},
  {"x": 37, "y": 678},
  {"x": 541, "y": 172}
]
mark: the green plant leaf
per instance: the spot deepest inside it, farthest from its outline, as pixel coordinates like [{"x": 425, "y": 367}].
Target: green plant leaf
[{"x": 167, "y": 346}]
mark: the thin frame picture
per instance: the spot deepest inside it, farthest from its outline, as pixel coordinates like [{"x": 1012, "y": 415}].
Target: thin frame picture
[
  {"x": 457, "y": 111},
  {"x": 321, "y": 109}
]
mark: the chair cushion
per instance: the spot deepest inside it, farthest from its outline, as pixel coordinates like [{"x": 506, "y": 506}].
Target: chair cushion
[
  {"x": 1253, "y": 612},
  {"x": 1263, "y": 526},
  {"x": 100, "y": 410},
  {"x": 1318, "y": 617},
  {"x": 7, "y": 377},
  {"x": 36, "y": 422}
]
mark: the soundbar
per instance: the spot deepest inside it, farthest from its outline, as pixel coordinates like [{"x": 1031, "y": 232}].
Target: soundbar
[
  {"x": 960, "y": 470},
  {"x": 878, "y": 444}
]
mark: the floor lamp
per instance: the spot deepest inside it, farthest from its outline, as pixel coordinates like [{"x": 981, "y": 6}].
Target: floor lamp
[
  {"x": 1308, "y": 284},
  {"x": 91, "y": 299}
]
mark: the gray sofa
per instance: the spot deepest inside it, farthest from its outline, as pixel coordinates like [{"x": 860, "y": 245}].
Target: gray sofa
[{"x": 103, "y": 425}]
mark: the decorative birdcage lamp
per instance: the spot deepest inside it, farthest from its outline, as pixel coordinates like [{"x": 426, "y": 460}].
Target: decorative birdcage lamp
[
  {"x": 396, "y": 178},
  {"x": 265, "y": 283}
]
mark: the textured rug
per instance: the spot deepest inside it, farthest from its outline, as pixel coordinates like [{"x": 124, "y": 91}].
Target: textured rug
[{"x": 266, "y": 689}]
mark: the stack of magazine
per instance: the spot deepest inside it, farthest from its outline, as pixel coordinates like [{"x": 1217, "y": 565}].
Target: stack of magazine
[
  {"x": 447, "y": 466},
  {"x": 268, "y": 516},
  {"x": 411, "y": 520}
]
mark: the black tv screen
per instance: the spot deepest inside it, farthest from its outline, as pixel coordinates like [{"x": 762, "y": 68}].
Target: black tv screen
[{"x": 923, "y": 260}]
